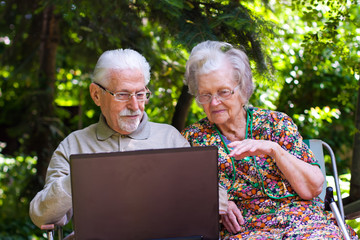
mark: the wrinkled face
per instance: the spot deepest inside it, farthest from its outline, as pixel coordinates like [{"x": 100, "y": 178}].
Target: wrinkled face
[
  {"x": 220, "y": 111},
  {"x": 123, "y": 117}
]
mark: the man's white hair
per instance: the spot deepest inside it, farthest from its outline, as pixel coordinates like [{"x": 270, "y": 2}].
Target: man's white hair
[{"x": 120, "y": 59}]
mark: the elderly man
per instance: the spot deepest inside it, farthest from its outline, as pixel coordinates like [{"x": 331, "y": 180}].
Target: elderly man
[{"x": 119, "y": 89}]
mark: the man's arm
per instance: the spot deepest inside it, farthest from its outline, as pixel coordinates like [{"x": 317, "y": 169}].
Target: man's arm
[
  {"x": 53, "y": 204},
  {"x": 223, "y": 200}
]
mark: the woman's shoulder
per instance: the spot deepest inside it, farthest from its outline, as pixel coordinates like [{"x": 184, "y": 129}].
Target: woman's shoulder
[
  {"x": 266, "y": 114},
  {"x": 198, "y": 126}
]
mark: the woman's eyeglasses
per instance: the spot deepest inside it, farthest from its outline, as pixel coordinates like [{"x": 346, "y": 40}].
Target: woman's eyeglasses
[{"x": 221, "y": 95}]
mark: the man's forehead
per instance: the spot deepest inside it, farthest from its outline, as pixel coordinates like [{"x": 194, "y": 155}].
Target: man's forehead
[
  {"x": 127, "y": 79},
  {"x": 114, "y": 72}
]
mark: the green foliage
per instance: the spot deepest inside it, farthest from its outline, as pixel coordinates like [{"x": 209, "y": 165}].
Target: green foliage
[
  {"x": 196, "y": 113},
  {"x": 304, "y": 55},
  {"x": 16, "y": 176},
  {"x": 14, "y": 200},
  {"x": 320, "y": 83},
  {"x": 354, "y": 224}
]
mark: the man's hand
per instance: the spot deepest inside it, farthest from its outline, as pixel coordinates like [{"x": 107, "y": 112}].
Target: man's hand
[{"x": 233, "y": 218}]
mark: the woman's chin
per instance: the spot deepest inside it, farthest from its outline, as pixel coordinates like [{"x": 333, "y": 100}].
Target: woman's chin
[{"x": 220, "y": 120}]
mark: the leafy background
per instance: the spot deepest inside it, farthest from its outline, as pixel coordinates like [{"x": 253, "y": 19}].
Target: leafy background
[{"x": 304, "y": 55}]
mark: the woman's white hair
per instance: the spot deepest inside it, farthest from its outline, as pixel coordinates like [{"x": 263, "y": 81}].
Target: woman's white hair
[
  {"x": 209, "y": 56},
  {"x": 120, "y": 59}
]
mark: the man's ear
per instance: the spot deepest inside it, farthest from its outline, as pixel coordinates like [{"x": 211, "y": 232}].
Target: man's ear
[{"x": 95, "y": 92}]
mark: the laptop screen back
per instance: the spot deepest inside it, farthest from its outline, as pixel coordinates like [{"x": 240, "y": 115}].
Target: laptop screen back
[{"x": 146, "y": 194}]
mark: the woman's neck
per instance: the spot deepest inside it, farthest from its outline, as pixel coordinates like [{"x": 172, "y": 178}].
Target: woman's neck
[{"x": 234, "y": 130}]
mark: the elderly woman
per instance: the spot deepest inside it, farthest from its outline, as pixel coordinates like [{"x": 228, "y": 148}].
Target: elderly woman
[{"x": 272, "y": 178}]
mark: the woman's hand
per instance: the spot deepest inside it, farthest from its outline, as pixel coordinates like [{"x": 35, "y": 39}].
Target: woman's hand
[
  {"x": 250, "y": 147},
  {"x": 233, "y": 218},
  {"x": 306, "y": 179}
]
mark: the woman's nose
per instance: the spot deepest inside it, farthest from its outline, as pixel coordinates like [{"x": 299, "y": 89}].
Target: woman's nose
[{"x": 215, "y": 100}]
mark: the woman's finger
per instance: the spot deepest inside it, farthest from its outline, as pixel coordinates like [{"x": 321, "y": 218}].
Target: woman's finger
[{"x": 227, "y": 224}]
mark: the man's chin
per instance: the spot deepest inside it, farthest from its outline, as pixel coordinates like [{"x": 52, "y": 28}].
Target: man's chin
[{"x": 129, "y": 126}]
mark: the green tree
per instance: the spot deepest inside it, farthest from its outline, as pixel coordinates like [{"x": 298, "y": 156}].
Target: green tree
[
  {"x": 321, "y": 83},
  {"x": 306, "y": 50},
  {"x": 51, "y": 35}
]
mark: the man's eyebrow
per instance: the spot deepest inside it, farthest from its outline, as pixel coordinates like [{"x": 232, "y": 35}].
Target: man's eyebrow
[{"x": 129, "y": 91}]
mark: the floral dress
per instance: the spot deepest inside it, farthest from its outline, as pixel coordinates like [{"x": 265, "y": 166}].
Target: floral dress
[{"x": 270, "y": 206}]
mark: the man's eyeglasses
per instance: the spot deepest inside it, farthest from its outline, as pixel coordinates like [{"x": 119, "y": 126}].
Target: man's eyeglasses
[
  {"x": 221, "y": 95},
  {"x": 126, "y": 96}
]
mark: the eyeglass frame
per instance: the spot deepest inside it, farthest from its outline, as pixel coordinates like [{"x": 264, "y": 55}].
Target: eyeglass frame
[
  {"x": 217, "y": 96},
  {"x": 147, "y": 94}
]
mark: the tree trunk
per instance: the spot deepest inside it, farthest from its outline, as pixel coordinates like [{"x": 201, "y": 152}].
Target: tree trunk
[
  {"x": 355, "y": 165},
  {"x": 182, "y": 109},
  {"x": 49, "y": 40}
]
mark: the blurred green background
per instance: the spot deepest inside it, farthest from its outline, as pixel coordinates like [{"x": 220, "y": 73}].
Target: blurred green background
[{"x": 304, "y": 56}]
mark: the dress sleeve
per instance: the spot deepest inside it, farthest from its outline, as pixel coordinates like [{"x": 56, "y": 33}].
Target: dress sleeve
[
  {"x": 188, "y": 133},
  {"x": 287, "y": 135}
]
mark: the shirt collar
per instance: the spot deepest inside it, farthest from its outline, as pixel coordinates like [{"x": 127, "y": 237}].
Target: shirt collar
[{"x": 103, "y": 131}]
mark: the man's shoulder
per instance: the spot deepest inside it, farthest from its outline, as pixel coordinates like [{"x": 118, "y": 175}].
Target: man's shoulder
[
  {"x": 166, "y": 135},
  {"x": 85, "y": 132},
  {"x": 161, "y": 126}
]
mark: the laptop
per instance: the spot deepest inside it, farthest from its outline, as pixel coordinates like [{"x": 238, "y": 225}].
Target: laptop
[{"x": 146, "y": 194}]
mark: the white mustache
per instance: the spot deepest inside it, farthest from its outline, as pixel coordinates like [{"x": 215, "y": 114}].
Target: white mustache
[{"x": 128, "y": 112}]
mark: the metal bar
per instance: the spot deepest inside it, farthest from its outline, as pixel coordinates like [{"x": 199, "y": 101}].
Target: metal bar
[
  {"x": 50, "y": 234},
  {"x": 336, "y": 177},
  {"x": 339, "y": 220}
]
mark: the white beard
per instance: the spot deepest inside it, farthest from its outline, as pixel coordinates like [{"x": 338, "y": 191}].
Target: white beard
[{"x": 129, "y": 125}]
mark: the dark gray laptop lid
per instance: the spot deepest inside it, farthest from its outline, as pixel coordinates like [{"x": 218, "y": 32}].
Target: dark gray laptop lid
[{"x": 146, "y": 194}]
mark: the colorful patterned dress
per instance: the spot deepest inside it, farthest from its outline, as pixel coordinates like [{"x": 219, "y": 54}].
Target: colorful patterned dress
[{"x": 270, "y": 207}]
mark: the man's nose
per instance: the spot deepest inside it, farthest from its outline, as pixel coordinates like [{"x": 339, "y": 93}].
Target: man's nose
[{"x": 133, "y": 103}]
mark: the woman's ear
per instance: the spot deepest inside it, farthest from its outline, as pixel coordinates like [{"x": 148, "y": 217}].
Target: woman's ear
[{"x": 95, "y": 92}]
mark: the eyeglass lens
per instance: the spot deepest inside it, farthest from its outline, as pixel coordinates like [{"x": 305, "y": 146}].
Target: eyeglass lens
[{"x": 221, "y": 95}]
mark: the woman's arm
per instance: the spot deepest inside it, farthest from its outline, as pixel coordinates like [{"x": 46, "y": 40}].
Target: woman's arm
[{"x": 306, "y": 179}]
